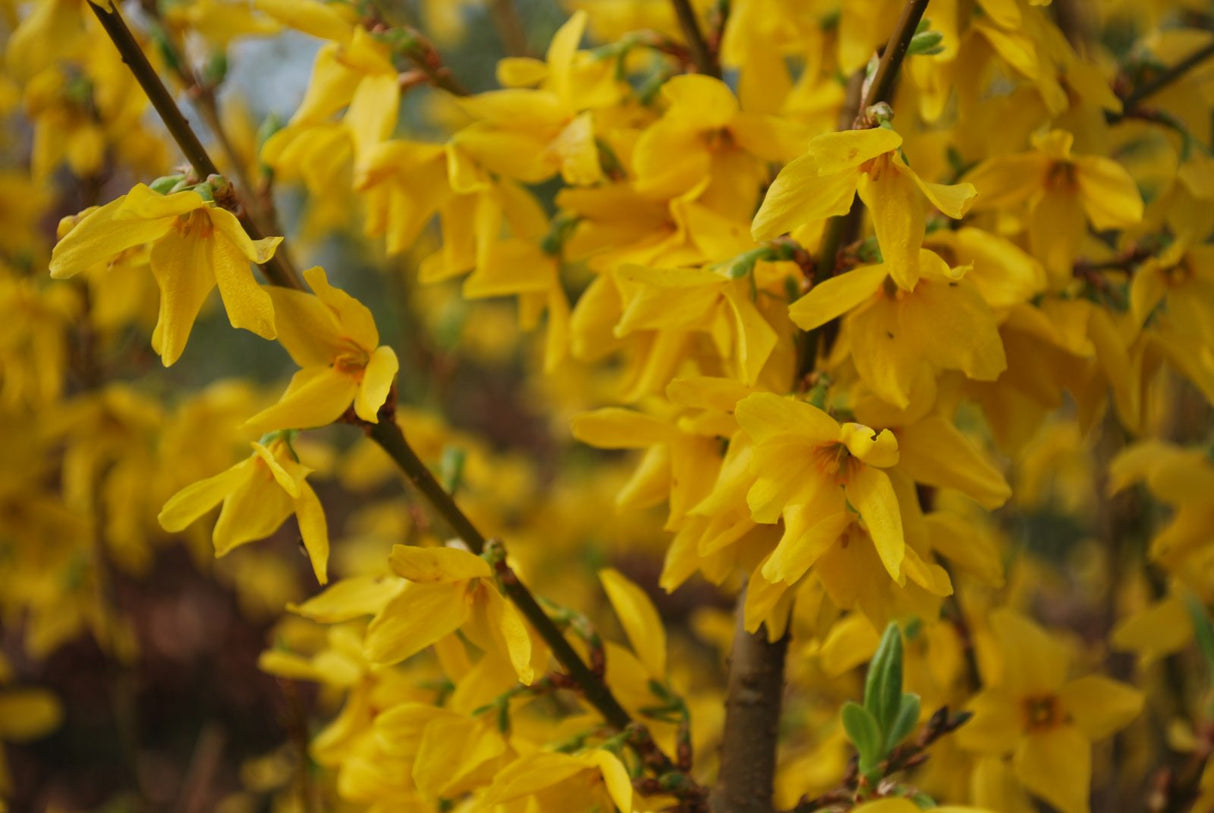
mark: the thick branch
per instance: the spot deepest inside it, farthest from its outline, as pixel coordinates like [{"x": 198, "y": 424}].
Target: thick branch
[
  {"x": 276, "y": 270},
  {"x": 703, "y": 56},
  {"x": 752, "y": 720}
]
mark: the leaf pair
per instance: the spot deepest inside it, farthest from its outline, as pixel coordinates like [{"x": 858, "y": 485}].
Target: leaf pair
[{"x": 888, "y": 714}]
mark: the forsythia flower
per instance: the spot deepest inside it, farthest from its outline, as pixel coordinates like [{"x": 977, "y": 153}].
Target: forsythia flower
[
  {"x": 195, "y": 246},
  {"x": 825, "y": 181},
  {"x": 257, "y": 494},
  {"x": 1046, "y": 721},
  {"x": 556, "y": 782},
  {"x": 333, "y": 337},
  {"x": 1062, "y": 190},
  {"x": 816, "y": 473},
  {"x": 447, "y": 589}
]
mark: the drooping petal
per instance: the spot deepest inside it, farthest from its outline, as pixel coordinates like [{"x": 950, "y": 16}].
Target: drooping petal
[
  {"x": 182, "y": 267},
  {"x": 247, "y": 303},
  {"x": 355, "y": 318},
  {"x": 348, "y": 599},
  {"x": 142, "y": 203},
  {"x": 1034, "y": 662},
  {"x": 807, "y": 535},
  {"x": 1007, "y": 180},
  {"x": 378, "y": 376},
  {"x": 313, "y": 530},
  {"x": 899, "y": 218},
  {"x": 253, "y": 511},
  {"x": 871, "y": 492},
  {"x": 934, "y": 452},
  {"x": 639, "y": 618},
  {"x": 766, "y": 416},
  {"x": 307, "y": 329}
]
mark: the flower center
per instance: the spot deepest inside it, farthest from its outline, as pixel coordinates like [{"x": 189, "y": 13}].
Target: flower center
[
  {"x": 1042, "y": 711},
  {"x": 1062, "y": 177},
  {"x": 196, "y": 223},
  {"x": 834, "y": 460}
]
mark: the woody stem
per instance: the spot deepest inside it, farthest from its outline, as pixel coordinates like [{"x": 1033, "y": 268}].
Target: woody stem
[
  {"x": 701, "y": 53},
  {"x": 387, "y": 433},
  {"x": 276, "y": 270}
]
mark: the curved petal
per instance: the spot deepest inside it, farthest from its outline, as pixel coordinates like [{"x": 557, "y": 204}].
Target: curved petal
[
  {"x": 99, "y": 236},
  {"x": 196, "y": 499},
  {"x": 313, "y": 530},
  {"x": 800, "y": 194},
  {"x": 995, "y": 726},
  {"x": 1109, "y": 196},
  {"x": 848, "y": 149},
  {"x": 316, "y": 396},
  {"x": 247, "y": 303},
  {"x": 871, "y": 492},
  {"x": 836, "y": 296},
  {"x": 377, "y": 380},
  {"x": 181, "y": 265},
  {"x": 415, "y": 619},
  {"x": 935, "y": 452},
  {"x": 639, "y": 618}
]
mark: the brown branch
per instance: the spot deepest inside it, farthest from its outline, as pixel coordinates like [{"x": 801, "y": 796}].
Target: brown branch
[
  {"x": 704, "y": 57},
  {"x": 509, "y": 27},
  {"x": 277, "y": 270},
  {"x": 1168, "y": 76},
  {"x": 752, "y": 720},
  {"x": 388, "y": 435},
  {"x": 882, "y": 87}
]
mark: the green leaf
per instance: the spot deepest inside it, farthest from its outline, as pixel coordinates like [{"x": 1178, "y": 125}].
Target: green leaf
[
  {"x": 905, "y": 721},
  {"x": 865, "y": 734},
  {"x": 883, "y": 685}
]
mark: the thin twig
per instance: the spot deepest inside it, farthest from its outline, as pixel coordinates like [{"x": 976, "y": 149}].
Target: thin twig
[
  {"x": 509, "y": 27},
  {"x": 703, "y": 56},
  {"x": 1167, "y": 77},
  {"x": 882, "y": 87},
  {"x": 388, "y": 435},
  {"x": 277, "y": 270}
]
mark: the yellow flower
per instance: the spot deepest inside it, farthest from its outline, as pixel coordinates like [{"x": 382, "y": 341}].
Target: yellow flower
[
  {"x": 824, "y": 182},
  {"x": 899, "y": 335},
  {"x": 258, "y": 494},
  {"x": 333, "y": 338},
  {"x": 556, "y": 782},
  {"x": 1046, "y": 721},
  {"x": 1063, "y": 191},
  {"x": 195, "y": 246},
  {"x": 814, "y": 473},
  {"x": 447, "y": 589},
  {"x": 639, "y": 618}
]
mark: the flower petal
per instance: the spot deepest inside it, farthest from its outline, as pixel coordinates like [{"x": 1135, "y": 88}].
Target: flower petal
[
  {"x": 196, "y": 499},
  {"x": 316, "y": 396},
  {"x": 425, "y": 565},
  {"x": 182, "y": 267},
  {"x": 871, "y": 492},
  {"x": 414, "y": 620},
  {"x": 378, "y": 376},
  {"x": 99, "y": 236},
  {"x": 639, "y": 618},
  {"x": 836, "y": 296},
  {"x": 313, "y": 530},
  {"x": 1056, "y": 764},
  {"x": 1100, "y": 705},
  {"x": 800, "y": 194}
]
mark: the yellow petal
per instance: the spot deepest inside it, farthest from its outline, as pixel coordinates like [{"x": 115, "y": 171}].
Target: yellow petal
[
  {"x": 371, "y": 116},
  {"x": 836, "y": 296},
  {"x": 1056, "y": 764},
  {"x": 1099, "y": 705},
  {"x": 514, "y": 634},
  {"x": 899, "y": 218},
  {"x": 247, "y": 303},
  {"x": 996, "y": 724},
  {"x": 182, "y": 267},
  {"x": 316, "y": 396},
  {"x": 1108, "y": 193},
  {"x": 141, "y": 203},
  {"x": 378, "y": 377},
  {"x": 615, "y": 777},
  {"x": 1034, "y": 662},
  {"x": 309, "y": 16},
  {"x": 348, "y": 599},
  {"x": 307, "y": 329},
  {"x": 313, "y": 530},
  {"x": 800, "y": 194},
  {"x": 198, "y": 498},
  {"x": 807, "y": 535},
  {"x": 254, "y": 510},
  {"x": 871, "y": 492},
  {"x": 1154, "y": 631},
  {"x": 935, "y": 452},
  {"x": 437, "y": 564},
  {"x": 415, "y": 619},
  {"x": 100, "y": 236},
  {"x": 700, "y": 101},
  {"x": 1007, "y": 180},
  {"x": 354, "y": 317},
  {"x": 847, "y": 149},
  {"x": 639, "y": 618},
  {"x": 766, "y": 417},
  {"x": 875, "y": 448},
  {"x": 27, "y": 714},
  {"x": 617, "y": 428}
]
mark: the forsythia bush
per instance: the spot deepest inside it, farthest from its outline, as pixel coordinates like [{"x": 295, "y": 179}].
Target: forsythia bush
[{"x": 896, "y": 319}]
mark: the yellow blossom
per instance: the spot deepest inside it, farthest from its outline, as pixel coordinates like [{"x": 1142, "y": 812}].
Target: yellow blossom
[
  {"x": 195, "y": 246},
  {"x": 333, "y": 338}
]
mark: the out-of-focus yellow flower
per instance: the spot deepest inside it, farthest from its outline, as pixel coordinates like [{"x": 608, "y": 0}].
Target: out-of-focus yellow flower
[
  {"x": 1063, "y": 192},
  {"x": 1044, "y": 720}
]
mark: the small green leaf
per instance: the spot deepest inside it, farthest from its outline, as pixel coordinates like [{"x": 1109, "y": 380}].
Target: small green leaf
[
  {"x": 925, "y": 44},
  {"x": 865, "y": 734},
  {"x": 904, "y": 722},
  {"x": 883, "y": 685}
]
